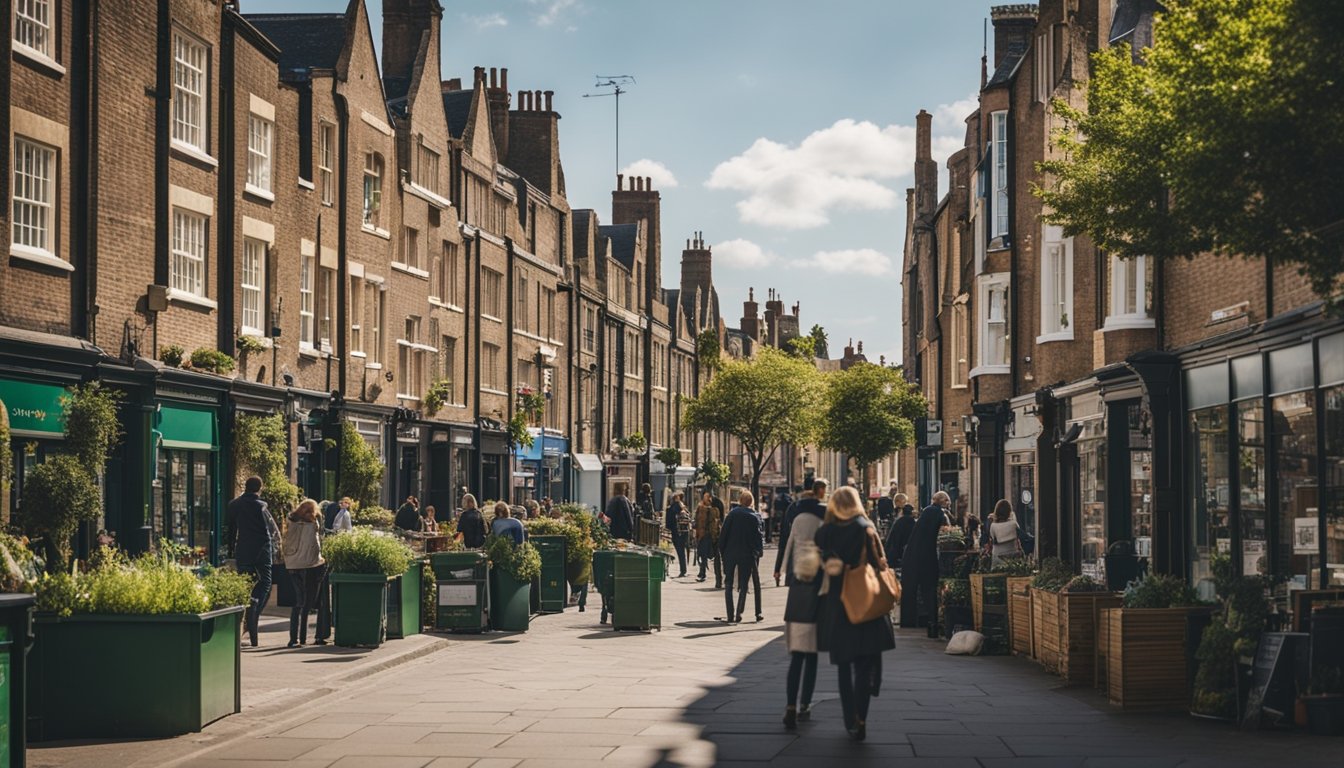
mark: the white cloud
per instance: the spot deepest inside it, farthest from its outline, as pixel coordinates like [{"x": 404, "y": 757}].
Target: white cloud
[
  {"x": 554, "y": 9},
  {"x": 846, "y": 166},
  {"x": 486, "y": 22},
  {"x": 662, "y": 176},
  {"x": 857, "y": 261},
  {"x": 742, "y": 254}
]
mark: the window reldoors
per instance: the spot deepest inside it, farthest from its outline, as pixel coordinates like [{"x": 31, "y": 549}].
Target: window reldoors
[{"x": 186, "y": 500}]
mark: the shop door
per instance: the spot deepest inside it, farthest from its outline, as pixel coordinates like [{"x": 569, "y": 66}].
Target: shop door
[
  {"x": 408, "y": 472},
  {"x": 186, "y": 500},
  {"x": 440, "y": 490},
  {"x": 492, "y": 477}
]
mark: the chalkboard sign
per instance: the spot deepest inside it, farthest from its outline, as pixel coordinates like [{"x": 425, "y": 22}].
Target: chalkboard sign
[{"x": 1273, "y": 686}]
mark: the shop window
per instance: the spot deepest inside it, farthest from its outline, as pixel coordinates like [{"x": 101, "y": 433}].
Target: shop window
[
  {"x": 1295, "y": 441},
  {"x": 185, "y": 497},
  {"x": 1211, "y": 524},
  {"x": 1252, "y": 475},
  {"x": 1334, "y": 479}
]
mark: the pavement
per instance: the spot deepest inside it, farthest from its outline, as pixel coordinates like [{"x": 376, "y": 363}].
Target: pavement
[{"x": 570, "y": 692}]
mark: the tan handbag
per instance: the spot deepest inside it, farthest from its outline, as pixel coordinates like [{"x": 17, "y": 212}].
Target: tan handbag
[{"x": 869, "y": 592}]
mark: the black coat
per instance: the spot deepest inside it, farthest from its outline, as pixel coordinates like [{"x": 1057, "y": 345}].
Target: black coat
[
  {"x": 741, "y": 539},
  {"x": 252, "y": 534},
  {"x": 670, "y": 520},
  {"x": 471, "y": 525},
  {"x": 622, "y": 517},
  {"x": 804, "y": 506},
  {"x": 886, "y": 508},
  {"x": 835, "y": 633},
  {"x": 900, "y": 536},
  {"x": 920, "y": 558}
]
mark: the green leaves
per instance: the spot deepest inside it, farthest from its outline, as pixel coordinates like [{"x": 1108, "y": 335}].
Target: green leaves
[
  {"x": 869, "y": 412},
  {"x": 260, "y": 447},
  {"x": 364, "y": 550},
  {"x": 521, "y": 561},
  {"x": 361, "y": 475}
]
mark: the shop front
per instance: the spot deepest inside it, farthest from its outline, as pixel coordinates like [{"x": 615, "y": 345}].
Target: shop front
[
  {"x": 450, "y": 456},
  {"x": 36, "y": 427},
  {"x": 494, "y": 473},
  {"x": 186, "y": 490},
  {"x": 540, "y": 469},
  {"x": 587, "y": 469},
  {"x": 1024, "y": 430},
  {"x": 1265, "y": 460}
]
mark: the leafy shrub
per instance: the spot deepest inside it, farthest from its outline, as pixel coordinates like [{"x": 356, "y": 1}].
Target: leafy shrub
[
  {"x": 439, "y": 394},
  {"x": 366, "y": 551},
  {"x": 518, "y": 434},
  {"x": 1083, "y": 584},
  {"x": 429, "y": 596},
  {"x": 1159, "y": 590},
  {"x": 1054, "y": 574},
  {"x": 212, "y": 361},
  {"x": 951, "y": 539},
  {"x": 1013, "y": 566},
  {"x": 372, "y": 516},
  {"x": 249, "y": 344},
  {"x": 226, "y": 587},
  {"x": 712, "y": 472},
  {"x": 521, "y": 561},
  {"x": 578, "y": 545},
  {"x": 670, "y": 457},
  {"x": 954, "y": 592},
  {"x": 1234, "y": 631},
  {"x": 19, "y": 567},
  {"x": 91, "y": 424},
  {"x": 149, "y": 585},
  {"x": 583, "y": 517},
  {"x": 58, "y": 593},
  {"x": 361, "y": 469},
  {"x": 261, "y": 448},
  {"x": 58, "y": 494},
  {"x": 633, "y": 442},
  {"x": 171, "y": 355}
]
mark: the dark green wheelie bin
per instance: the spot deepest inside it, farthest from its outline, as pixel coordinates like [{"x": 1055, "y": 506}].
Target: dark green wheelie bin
[
  {"x": 403, "y": 603},
  {"x": 550, "y": 591},
  {"x": 16, "y": 637},
  {"x": 638, "y": 582},
  {"x": 461, "y": 578}
]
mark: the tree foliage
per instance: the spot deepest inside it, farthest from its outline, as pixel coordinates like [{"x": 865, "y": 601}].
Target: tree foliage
[
  {"x": 869, "y": 413},
  {"x": 803, "y": 346},
  {"x": 361, "y": 476},
  {"x": 91, "y": 425},
  {"x": 1224, "y": 138},
  {"x": 261, "y": 448},
  {"x": 764, "y": 402},
  {"x": 820, "y": 342},
  {"x": 708, "y": 351}
]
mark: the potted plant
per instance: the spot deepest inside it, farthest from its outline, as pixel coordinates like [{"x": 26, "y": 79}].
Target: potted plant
[
  {"x": 161, "y": 643},
  {"x": 1045, "y": 586},
  {"x": 1078, "y": 606},
  {"x": 1018, "y": 573},
  {"x": 578, "y": 545},
  {"x": 954, "y": 601},
  {"x": 512, "y": 569},
  {"x": 19, "y": 569},
  {"x": 362, "y": 563},
  {"x": 1148, "y": 641},
  {"x": 1232, "y": 634},
  {"x": 212, "y": 361}
]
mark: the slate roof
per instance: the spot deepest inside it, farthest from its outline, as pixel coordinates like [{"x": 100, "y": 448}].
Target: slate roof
[
  {"x": 306, "y": 40},
  {"x": 457, "y": 108},
  {"x": 1128, "y": 15},
  {"x": 1008, "y": 67},
  {"x": 622, "y": 238}
]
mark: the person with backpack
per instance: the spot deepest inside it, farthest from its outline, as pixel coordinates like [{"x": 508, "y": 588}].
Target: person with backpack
[{"x": 678, "y": 522}]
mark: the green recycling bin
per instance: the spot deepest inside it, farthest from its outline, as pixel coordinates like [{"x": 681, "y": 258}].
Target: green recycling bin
[
  {"x": 509, "y": 602},
  {"x": 638, "y": 592},
  {"x": 461, "y": 577},
  {"x": 359, "y": 608},
  {"x": 16, "y": 637},
  {"x": 550, "y": 586},
  {"x": 403, "y": 603},
  {"x": 604, "y": 579}
]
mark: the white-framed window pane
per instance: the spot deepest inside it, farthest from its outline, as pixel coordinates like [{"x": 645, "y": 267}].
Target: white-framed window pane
[
  {"x": 1131, "y": 288},
  {"x": 356, "y": 315},
  {"x": 189, "y": 253},
  {"x": 307, "y": 304},
  {"x": 259, "y": 132},
  {"x": 326, "y": 309},
  {"x": 189, "y": 83},
  {"x": 410, "y": 248},
  {"x": 32, "y": 25},
  {"x": 253, "y": 286},
  {"x": 325, "y": 141},
  {"x": 34, "y": 193},
  {"x": 1000, "y": 127},
  {"x": 373, "y": 188},
  {"x": 378, "y": 308}
]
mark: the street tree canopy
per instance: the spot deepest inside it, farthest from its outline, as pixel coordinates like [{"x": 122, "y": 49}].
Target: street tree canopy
[
  {"x": 764, "y": 402},
  {"x": 1222, "y": 138},
  {"x": 869, "y": 413}
]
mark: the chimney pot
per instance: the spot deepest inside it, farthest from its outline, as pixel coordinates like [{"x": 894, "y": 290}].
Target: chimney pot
[
  {"x": 478, "y": 75},
  {"x": 549, "y": 94},
  {"x": 504, "y": 79},
  {"x": 455, "y": 84},
  {"x": 494, "y": 77},
  {"x": 620, "y": 179}
]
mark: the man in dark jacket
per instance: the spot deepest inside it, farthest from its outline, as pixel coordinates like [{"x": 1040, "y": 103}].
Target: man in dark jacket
[
  {"x": 919, "y": 566},
  {"x": 900, "y": 531},
  {"x": 408, "y": 515},
  {"x": 255, "y": 536},
  {"x": 742, "y": 542},
  {"x": 621, "y": 515},
  {"x": 780, "y": 511}
]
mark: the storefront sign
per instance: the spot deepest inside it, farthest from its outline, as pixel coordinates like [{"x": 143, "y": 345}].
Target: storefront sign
[
  {"x": 34, "y": 409},
  {"x": 1304, "y": 534},
  {"x": 187, "y": 428}
]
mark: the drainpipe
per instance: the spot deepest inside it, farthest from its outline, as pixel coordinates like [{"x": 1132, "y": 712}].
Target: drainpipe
[
  {"x": 225, "y": 340},
  {"x": 163, "y": 88},
  {"x": 342, "y": 237},
  {"x": 83, "y": 283}
]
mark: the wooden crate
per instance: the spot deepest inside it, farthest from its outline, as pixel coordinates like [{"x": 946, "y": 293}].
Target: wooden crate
[
  {"x": 1019, "y": 585},
  {"x": 1037, "y": 604},
  {"x": 1019, "y": 622},
  {"x": 1146, "y": 657},
  {"x": 978, "y": 583},
  {"x": 1103, "y": 650},
  {"x": 1049, "y": 642},
  {"x": 1079, "y": 616}
]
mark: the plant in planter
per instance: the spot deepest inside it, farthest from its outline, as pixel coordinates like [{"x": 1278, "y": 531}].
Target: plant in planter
[
  {"x": 171, "y": 355},
  {"x": 362, "y": 562},
  {"x": 213, "y": 361},
  {"x": 1071, "y": 620},
  {"x": 951, "y": 540},
  {"x": 247, "y": 346},
  {"x": 1082, "y": 584},
  {"x": 1148, "y": 640},
  {"x": 954, "y": 600},
  {"x": 1053, "y": 575},
  {"x": 578, "y": 546},
  {"x": 1234, "y": 632},
  {"x": 372, "y": 516},
  {"x": 712, "y": 473},
  {"x": 632, "y": 443},
  {"x": 260, "y": 447},
  {"x": 116, "y": 620},
  {"x": 1324, "y": 700},
  {"x": 361, "y": 474},
  {"x": 513, "y": 567},
  {"x": 440, "y": 394}
]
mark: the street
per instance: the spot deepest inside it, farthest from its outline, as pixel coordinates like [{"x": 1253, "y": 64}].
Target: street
[{"x": 571, "y": 693}]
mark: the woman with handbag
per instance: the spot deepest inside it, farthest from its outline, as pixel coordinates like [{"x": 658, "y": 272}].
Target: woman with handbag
[
  {"x": 1003, "y": 534},
  {"x": 801, "y": 563},
  {"x": 858, "y": 593}
]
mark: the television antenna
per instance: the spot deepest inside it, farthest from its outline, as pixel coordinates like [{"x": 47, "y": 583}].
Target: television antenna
[{"x": 617, "y": 84}]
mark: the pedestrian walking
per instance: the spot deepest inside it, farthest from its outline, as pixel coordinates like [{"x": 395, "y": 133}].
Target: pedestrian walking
[
  {"x": 708, "y": 524},
  {"x": 340, "y": 521},
  {"x": 255, "y": 535},
  {"x": 900, "y": 530},
  {"x": 801, "y": 562},
  {"x": 620, "y": 514},
  {"x": 846, "y": 538},
  {"x": 919, "y": 567},
  {"x": 408, "y": 515},
  {"x": 741, "y": 544},
  {"x": 302, "y": 550},
  {"x": 645, "y": 504},
  {"x": 678, "y": 523},
  {"x": 505, "y": 524},
  {"x": 1004, "y": 536},
  {"x": 471, "y": 524}
]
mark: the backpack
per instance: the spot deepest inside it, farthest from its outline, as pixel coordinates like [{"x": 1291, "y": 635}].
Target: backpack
[
  {"x": 683, "y": 520},
  {"x": 714, "y": 523}
]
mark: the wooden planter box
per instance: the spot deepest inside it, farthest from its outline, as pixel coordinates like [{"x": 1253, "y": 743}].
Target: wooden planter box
[
  {"x": 1045, "y": 628},
  {"x": 1019, "y": 622},
  {"x": 979, "y": 582},
  {"x": 1079, "y": 619},
  {"x": 1037, "y": 604},
  {"x": 1147, "y": 657}
]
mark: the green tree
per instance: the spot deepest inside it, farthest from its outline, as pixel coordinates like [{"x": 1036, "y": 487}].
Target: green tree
[
  {"x": 261, "y": 448},
  {"x": 764, "y": 402},
  {"x": 869, "y": 414},
  {"x": 708, "y": 351},
  {"x": 820, "y": 342},
  {"x": 803, "y": 346},
  {"x": 1222, "y": 138},
  {"x": 361, "y": 476}
]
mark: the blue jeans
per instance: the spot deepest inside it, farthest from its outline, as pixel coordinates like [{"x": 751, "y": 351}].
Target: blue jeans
[{"x": 261, "y": 593}]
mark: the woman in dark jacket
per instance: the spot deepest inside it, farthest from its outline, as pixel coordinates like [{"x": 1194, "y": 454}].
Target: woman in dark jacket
[
  {"x": 678, "y": 523},
  {"x": 855, "y": 648},
  {"x": 471, "y": 524}
]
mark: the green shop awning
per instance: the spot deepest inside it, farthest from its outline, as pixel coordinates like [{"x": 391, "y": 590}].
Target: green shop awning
[
  {"x": 34, "y": 409},
  {"x": 188, "y": 428}
]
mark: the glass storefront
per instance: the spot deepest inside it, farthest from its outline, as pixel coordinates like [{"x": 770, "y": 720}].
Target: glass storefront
[{"x": 1212, "y": 530}]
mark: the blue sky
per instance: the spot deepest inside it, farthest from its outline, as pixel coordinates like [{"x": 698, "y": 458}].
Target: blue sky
[{"x": 781, "y": 129}]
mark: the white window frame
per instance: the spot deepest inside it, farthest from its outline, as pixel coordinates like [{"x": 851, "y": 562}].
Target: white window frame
[
  {"x": 1120, "y": 315},
  {"x": 377, "y": 319},
  {"x": 427, "y": 170},
  {"x": 451, "y": 289},
  {"x": 492, "y": 294},
  {"x": 357, "y": 316},
  {"x": 374, "y": 170},
  {"x": 33, "y": 27},
  {"x": 1044, "y": 72},
  {"x": 490, "y": 366},
  {"x": 34, "y": 193},
  {"x": 307, "y": 302},
  {"x": 326, "y": 133},
  {"x": 252, "y": 287},
  {"x": 980, "y": 236},
  {"x": 190, "y": 253},
  {"x": 191, "y": 89},
  {"x": 961, "y": 347},
  {"x": 326, "y": 309},
  {"x": 999, "y": 166},
  {"x": 260, "y": 142},
  {"x": 986, "y": 285},
  {"x": 410, "y": 247},
  {"x": 448, "y": 354},
  {"x": 520, "y": 319},
  {"x": 410, "y": 361},
  {"x": 1057, "y": 317}
]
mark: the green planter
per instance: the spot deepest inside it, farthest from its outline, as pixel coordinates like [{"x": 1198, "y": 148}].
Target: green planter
[
  {"x": 510, "y": 602},
  {"x": 105, "y": 676},
  {"x": 461, "y": 581},
  {"x": 359, "y": 608},
  {"x": 551, "y": 589},
  {"x": 403, "y": 603},
  {"x": 16, "y": 637},
  {"x": 638, "y": 590}
]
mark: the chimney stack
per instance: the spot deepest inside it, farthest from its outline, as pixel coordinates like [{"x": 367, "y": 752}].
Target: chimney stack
[
  {"x": 1013, "y": 25},
  {"x": 548, "y": 95},
  {"x": 448, "y": 86}
]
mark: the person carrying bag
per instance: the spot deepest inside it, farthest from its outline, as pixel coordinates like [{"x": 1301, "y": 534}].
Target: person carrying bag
[{"x": 870, "y": 591}]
